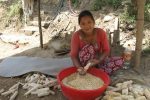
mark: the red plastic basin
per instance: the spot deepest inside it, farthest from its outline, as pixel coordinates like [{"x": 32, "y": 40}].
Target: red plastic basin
[{"x": 75, "y": 94}]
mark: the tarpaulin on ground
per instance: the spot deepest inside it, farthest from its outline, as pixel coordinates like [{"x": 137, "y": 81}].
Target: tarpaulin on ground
[{"x": 16, "y": 66}]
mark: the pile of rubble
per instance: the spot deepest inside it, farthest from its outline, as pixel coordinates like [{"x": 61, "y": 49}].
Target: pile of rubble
[
  {"x": 36, "y": 84},
  {"x": 127, "y": 91}
]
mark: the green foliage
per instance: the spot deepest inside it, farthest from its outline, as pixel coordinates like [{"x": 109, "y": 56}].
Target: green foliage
[
  {"x": 115, "y": 3},
  {"x": 13, "y": 13},
  {"x": 1, "y": 1},
  {"x": 127, "y": 17},
  {"x": 146, "y": 51},
  {"x": 130, "y": 13},
  {"x": 75, "y": 3},
  {"x": 98, "y": 4},
  {"x": 14, "y": 9},
  {"x": 147, "y": 11}
]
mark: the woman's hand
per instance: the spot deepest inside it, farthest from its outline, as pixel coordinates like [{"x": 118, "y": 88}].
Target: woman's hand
[
  {"x": 81, "y": 71},
  {"x": 87, "y": 66},
  {"x": 91, "y": 63}
]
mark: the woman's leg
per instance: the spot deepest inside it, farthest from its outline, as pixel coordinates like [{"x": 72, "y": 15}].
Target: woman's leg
[{"x": 111, "y": 64}]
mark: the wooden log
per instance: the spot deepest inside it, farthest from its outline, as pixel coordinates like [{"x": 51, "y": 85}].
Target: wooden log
[
  {"x": 40, "y": 90},
  {"x": 125, "y": 91},
  {"x": 147, "y": 94},
  {"x": 50, "y": 84},
  {"x": 8, "y": 92},
  {"x": 14, "y": 95},
  {"x": 141, "y": 98},
  {"x": 1, "y": 91},
  {"x": 40, "y": 28},
  {"x": 43, "y": 94},
  {"x": 15, "y": 86},
  {"x": 116, "y": 35},
  {"x": 139, "y": 33}
]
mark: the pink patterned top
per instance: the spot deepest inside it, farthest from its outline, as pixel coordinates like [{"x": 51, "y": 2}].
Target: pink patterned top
[{"x": 77, "y": 44}]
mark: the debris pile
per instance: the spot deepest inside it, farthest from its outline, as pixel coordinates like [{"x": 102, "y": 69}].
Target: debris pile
[
  {"x": 13, "y": 91},
  {"x": 39, "y": 85},
  {"x": 127, "y": 91},
  {"x": 61, "y": 26},
  {"x": 36, "y": 84}
]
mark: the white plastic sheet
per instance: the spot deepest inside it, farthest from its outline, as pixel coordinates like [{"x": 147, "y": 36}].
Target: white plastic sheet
[{"x": 16, "y": 66}]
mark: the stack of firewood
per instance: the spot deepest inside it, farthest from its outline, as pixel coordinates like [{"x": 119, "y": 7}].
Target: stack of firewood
[
  {"x": 35, "y": 84},
  {"x": 127, "y": 91}
]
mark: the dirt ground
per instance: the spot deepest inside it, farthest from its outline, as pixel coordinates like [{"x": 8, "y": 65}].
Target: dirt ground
[
  {"x": 7, "y": 50},
  {"x": 33, "y": 50},
  {"x": 8, "y": 82}
]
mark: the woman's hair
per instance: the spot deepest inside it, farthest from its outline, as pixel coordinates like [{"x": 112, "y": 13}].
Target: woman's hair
[{"x": 85, "y": 13}]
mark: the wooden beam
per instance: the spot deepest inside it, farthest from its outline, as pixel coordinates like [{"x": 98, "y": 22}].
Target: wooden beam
[
  {"x": 139, "y": 32},
  {"x": 116, "y": 35},
  {"x": 39, "y": 22}
]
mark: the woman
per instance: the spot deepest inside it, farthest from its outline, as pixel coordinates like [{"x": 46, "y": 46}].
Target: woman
[{"x": 89, "y": 45}]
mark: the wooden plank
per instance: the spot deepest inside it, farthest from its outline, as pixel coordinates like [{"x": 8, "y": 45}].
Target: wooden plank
[
  {"x": 40, "y": 28},
  {"x": 116, "y": 35},
  {"x": 139, "y": 33}
]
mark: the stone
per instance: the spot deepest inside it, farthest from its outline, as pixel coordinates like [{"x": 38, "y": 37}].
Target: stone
[{"x": 107, "y": 18}]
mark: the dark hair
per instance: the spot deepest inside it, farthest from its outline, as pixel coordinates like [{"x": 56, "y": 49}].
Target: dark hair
[{"x": 85, "y": 13}]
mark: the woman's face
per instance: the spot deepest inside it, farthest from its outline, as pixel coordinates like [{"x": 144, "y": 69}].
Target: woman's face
[{"x": 87, "y": 25}]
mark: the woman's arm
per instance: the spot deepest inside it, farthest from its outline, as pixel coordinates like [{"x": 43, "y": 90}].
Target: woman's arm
[
  {"x": 104, "y": 50},
  {"x": 76, "y": 62},
  {"x": 98, "y": 60},
  {"x": 75, "y": 41}
]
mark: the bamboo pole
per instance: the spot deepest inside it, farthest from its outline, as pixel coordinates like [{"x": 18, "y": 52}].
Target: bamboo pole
[
  {"x": 139, "y": 32},
  {"x": 116, "y": 37},
  {"x": 39, "y": 22}
]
